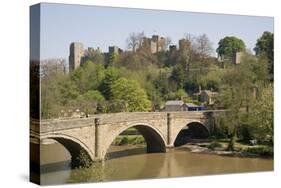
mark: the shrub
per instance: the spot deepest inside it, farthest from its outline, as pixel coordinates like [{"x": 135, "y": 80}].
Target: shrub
[
  {"x": 260, "y": 150},
  {"x": 124, "y": 141},
  {"x": 214, "y": 145}
]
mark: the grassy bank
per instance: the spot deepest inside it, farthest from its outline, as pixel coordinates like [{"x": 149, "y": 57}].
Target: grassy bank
[
  {"x": 241, "y": 148},
  {"x": 128, "y": 140}
]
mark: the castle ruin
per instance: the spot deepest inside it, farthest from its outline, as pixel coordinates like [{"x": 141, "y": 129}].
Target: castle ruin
[{"x": 76, "y": 50}]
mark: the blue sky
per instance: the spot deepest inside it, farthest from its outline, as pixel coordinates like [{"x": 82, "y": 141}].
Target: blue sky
[{"x": 104, "y": 26}]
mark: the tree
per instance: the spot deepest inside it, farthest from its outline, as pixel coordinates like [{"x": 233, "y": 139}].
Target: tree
[
  {"x": 261, "y": 116},
  {"x": 113, "y": 59},
  {"x": 178, "y": 77},
  {"x": 229, "y": 45},
  {"x": 212, "y": 79},
  {"x": 93, "y": 55},
  {"x": 88, "y": 76},
  {"x": 203, "y": 46},
  {"x": 235, "y": 94},
  {"x": 131, "y": 93},
  {"x": 111, "y": 75},
  {"x": 178, "y": 95},
  {"x": 88, "y": 102},
  {"x": 264, "y": 47},
  {"x": 134, "y": 40},
  {"x": 52, "y": 72},
  {"x": 161, "y": 83},
  {"x": 68, "y": 91}
]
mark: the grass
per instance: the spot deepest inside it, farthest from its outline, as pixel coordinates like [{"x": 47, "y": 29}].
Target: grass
[
  {"x": 244, "y": 148},
  {"x": 129, "y": 140}
]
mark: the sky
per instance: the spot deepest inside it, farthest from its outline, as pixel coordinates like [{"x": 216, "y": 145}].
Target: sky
[{"x": 101, "y": 27}]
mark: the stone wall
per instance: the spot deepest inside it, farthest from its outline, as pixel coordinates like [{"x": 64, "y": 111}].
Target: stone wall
[{"x": 96, "y": 133}]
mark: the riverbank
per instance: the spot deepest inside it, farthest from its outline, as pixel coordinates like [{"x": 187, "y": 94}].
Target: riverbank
[
  {"x": 206, "y": 146},
  {"x": 219, "y": 148}
]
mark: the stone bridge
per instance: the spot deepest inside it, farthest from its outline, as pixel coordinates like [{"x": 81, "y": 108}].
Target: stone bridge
[{"x": 95, "y": 134}]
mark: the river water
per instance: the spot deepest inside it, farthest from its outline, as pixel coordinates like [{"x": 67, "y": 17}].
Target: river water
[{"x": 129, "y": 162}]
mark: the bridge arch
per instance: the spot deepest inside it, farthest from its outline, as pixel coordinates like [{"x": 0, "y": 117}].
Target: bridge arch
[
  {"x": 193, "y": 129},
  {"x": 155, "y": 141},
  {"x": 74, "y": 146}
]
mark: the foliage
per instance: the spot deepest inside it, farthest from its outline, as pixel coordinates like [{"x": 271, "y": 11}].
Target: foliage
[
  {"x": 138, "y": 80},
  {"x": 129, "y": 139},
  {"x": 211, "y": 80},
  {"x": 260, "y": 150},
  {"x": 111, "y": 75},
  {"x": 178, "y": 76},
  {"x": 265, "y": 47},
  {"x": 88, "y": 102},
  {"x": 229, "y": 45},
  {"x": 214, "y": 145},
  {"x": 134, "y": 97},
  {"x": 261, "y": 117},
  {"x": 113, "y": 59},
  {"x": 88, "y": 76}
]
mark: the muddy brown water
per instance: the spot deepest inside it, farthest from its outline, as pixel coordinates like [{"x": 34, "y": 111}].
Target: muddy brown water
[{"x": 131, "y": 162}]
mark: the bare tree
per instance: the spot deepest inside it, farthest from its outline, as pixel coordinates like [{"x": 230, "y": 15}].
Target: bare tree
[
  {"x": 135, "y": 40},
  {"x": 203, "y": 45},
  {"x": 52, "y": 66}
]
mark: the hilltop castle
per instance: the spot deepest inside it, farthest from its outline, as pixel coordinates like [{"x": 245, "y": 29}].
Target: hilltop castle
[
  {"x": 155, "y": 44},
  {"x": 77, "y": 52}
]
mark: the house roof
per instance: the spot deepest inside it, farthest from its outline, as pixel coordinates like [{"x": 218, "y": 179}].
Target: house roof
[
  {"x": 190, "y": 105},
  {"x": 174, "y": 102}
]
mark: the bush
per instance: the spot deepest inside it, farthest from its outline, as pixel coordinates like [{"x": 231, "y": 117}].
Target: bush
[
  {"x": 260, "y": 150},
  {"x": 124, "y": 141},
  {"x": 138, "y": 140},
  {"x": 214, "y": 145}
]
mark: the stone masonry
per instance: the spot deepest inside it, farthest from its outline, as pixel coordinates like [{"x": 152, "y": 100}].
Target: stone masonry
[{"x": 95, "y": 134}]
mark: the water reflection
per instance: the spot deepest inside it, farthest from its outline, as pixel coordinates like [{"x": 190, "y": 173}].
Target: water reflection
[{"x": 127, "y": 162}]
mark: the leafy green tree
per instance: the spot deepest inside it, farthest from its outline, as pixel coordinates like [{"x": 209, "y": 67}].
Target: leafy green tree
[
  {"x": 113, "y": 59},
  {"x": 88, "y": 102},
  {"x": 178, "y": 77},
  {"x": 264, "y": 47},
  {"x": 235, "y": 94},
  {"x": 261, "y": 116},
  {"x": 178, "y": 95},
  {"x": 68, "y": 91},
  {"x": 52, "y": 73},
  {"x": 93, "y": 95},
  {"x": 88, "y": 77},
  {"x": 130, "y": 91},
  {"x": 212, "y": 79},
  {"x": 111, "y": 75},
  {"x": 161, "y": 83},
  {"x": 229, "y": 45}
]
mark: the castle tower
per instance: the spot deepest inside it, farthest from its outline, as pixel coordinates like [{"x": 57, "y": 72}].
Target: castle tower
[{"x": 76, "y": 52}]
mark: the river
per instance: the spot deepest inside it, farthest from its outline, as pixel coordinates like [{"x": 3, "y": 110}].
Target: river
[{"x": 129, "y": 162}]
